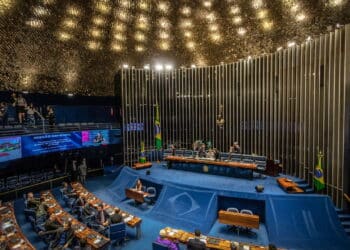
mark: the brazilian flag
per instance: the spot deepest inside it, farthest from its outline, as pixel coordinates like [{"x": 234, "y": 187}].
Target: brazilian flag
[
  {"x": 158, "y": 135},
  {"x": 318, "y": 174},
  {"x": 142, "y": 158}
]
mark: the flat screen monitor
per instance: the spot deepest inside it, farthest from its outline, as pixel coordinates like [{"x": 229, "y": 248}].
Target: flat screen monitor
[{"x": 10, "y": 148}]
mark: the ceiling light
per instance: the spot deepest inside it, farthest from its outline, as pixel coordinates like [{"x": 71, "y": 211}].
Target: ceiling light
[
  {"x": 168, "y": 67},
  {"x": 146, "y": 67},
  {"x": 158, "y": 67},
  {"x": 291, "y": 44},
  {"x": 241, "y": 31},
  {"x": 125, "y": 66},
  {"x": 193, "y": 66}
]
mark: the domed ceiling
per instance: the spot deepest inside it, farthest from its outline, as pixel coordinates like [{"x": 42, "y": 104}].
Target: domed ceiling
[{"x": 62, "y": 46}]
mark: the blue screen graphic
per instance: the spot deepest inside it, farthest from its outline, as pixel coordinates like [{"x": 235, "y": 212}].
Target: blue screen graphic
[
  {"x": 47, "y": 143},
  {"x": 94, "y": 138},
  {"x": 10, "y": 148}
]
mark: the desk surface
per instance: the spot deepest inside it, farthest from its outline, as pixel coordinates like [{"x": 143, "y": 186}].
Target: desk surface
[
  {"x": 230, "y": 164},
  {"x": 93, "y": 238},
  {"x": 289, "y": 186},
  {"x": 11, "y": 234},
  {"x": 139, "y": 165},
  {"x": 129, "y": 219},
  {"x": 211, "y": 242},
  {"x": 139, "y": 196},
  {"x": 239, "y": 219}
]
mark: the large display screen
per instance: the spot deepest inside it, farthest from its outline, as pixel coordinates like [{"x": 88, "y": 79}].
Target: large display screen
[
  {"x": 10, "y": 148},
  {"x": 47, "y": 143},
  {"x": 92, "y": 138}
]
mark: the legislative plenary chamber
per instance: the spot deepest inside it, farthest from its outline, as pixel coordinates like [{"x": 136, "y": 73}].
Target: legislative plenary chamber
[{"x": 173, "y": 125}]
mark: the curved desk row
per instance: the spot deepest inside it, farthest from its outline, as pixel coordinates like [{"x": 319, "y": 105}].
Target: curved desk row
[
  {"x": 81, "y": 231},
  {"x": 211, "y": 242},
  {"x": 94, "y": 201},
  {"x": 11, "y": 235}
]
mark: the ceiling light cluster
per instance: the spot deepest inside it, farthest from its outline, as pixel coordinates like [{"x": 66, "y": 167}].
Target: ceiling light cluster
[
  {"x": 141, "y": 24},
  {"x": 119, "y": 26},
  {"x": 296, "y": 10},
  {"x": 263, "y": 15},
  {"x": 211, "y": 19},
  {"x": 39, "y": 13},
  {"x": 164, "y": 25},
  {"x": 186, "y": 26}
]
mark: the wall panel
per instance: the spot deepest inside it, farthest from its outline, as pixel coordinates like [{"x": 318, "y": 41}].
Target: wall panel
[{"x": 288, "y": 105}]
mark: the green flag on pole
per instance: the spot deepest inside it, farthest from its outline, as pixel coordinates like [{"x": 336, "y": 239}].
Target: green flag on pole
[
  {"x": 158, "y": 135},
  {"x": 318, "y": 174},
  {"x": 142, "y": 158}
]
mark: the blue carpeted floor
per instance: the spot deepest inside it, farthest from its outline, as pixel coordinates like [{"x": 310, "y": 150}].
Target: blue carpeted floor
[{"x": 191, "y": 200}]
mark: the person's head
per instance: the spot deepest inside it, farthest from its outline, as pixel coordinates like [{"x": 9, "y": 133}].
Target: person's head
[
  {"x": 197, "y": 233},
  {"x": 31, "y": 105},
  {"x": 67, "y": 224},
  {"x": 52, "y": 217},
  {"x": 2, "y": 104},
  {"x": 20, "y": 96},
  {"x": 139, "y": 182},
  {"x": 30, "y": 195},
  {"x": 162, "y": 233},
  {"x": 14, "y": 95},
  {"x": 117, "y": 210},
  {"x": 272, "y": 247},
  {"x": 65, "y": 184}
]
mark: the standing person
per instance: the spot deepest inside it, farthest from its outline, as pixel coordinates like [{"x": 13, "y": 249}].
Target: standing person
[
  {"x": 3, "y": 114},
  {"x": 74, "y": 170},
  {"x": 83, "y": 171},
  {"x": 50, "y": 116},
  {"x": 21, "y": 105},
  {"x": 31, "y": 114}
]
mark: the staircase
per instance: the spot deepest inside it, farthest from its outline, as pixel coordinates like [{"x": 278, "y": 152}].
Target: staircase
[{"x": 344, "y": 217}]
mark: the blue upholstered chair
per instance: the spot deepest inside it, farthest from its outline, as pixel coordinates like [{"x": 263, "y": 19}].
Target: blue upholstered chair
[
  {"x": 117, "y": 233},
  {"x": 233, "y": 209},
  {"x": 152, "y": 195},
  {"x": 158, "y": 246}
]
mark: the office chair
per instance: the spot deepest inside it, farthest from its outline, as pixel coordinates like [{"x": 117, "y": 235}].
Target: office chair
[
  {"x": 117, "y": 233},
  {"x": 152, "y": 195},
  {"x": 246, "y": 211},
  {"x": 158, "y": 246},
  {"x": 232, "y": 209}
]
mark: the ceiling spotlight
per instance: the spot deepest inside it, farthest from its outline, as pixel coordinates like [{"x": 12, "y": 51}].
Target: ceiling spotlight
[
  {"x": 279, "y": 48},
  {"x": 241, "y": 31},
  {"x": 168, "y": 67},
  {"x": 159, "y": 67},
  {"x": 300, "y": 17},
  {"x": 125, "y": 66},
  {"x": 291, "y": 44},
  {"x": 70, "y": 95},
  {"x": 193, "y": 66},
  {"x": 146, "y": 67},
  {"x": 249, "y": 58},
  {"x": 308, "y": 38}
]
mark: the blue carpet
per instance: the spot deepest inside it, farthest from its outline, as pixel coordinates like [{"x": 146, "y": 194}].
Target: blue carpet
[{"x": 292, "y": 221}]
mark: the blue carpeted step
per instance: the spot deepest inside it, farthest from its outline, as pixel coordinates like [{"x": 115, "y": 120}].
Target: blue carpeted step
[
  {"x": 344, "y": 217},
  {"x": 346, "y": 224},
  {"x": 309, "y": 190},
  {"x": 347, "y": 231}
]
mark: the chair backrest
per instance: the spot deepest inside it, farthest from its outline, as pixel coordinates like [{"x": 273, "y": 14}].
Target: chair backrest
[
  {"x": 152, "y": 190},
  {"x": 158, "y": 246},
  {"x": 246, "y": 211},
  {"x": 233, "y": 209},
  {"x": 117, "y": 231}
]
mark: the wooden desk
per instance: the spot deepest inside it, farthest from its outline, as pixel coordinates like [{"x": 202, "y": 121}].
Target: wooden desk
[
  {"x": 238, "y": 219},
  {"x": 230, "y": 164},
  {"x": 211, "y": 242},
  {"x": 129, "y": 219},
  {"x": 11, "y": 234},
  {"x": 140, "y": 165},
  {"x": 92, "y": 238},
  {"x": 136, "y": 195},
  {"x": 289, "y": 186}
]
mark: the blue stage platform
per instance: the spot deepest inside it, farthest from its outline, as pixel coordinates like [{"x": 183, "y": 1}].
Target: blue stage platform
[{"x": 190, "y": 200}]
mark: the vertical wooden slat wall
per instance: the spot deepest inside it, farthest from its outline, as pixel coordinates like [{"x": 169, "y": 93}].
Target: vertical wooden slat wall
[{"x": 288, "y": 105}]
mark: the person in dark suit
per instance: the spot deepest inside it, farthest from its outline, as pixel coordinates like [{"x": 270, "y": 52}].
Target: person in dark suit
[
  {"x": 196, "y": 243},
  {"x": 116, "y": 217},
  {"x": 32, "y": 202},
  {"x": 65, "y": 238},
  {"x": 67, "y": 190}
]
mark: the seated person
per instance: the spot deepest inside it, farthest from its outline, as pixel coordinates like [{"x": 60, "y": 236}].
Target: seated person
[
  {"x": 196, "y": 243},
  {"x": 88, "y": 210},
  {"x": 101, "y": 222},
  {"x": 166, "y": 242},
  {"x": 41, "y": 213},
  {"x": 32, "y": 202},
  {"x": 235, "y": 148},
  {"x": 202, "y": 152},
  {"x": 138, "y": 186},
  {"x": 52, "y": 227},
  {"x": 80, "y": 202},
  {"x": 116, "y": 217},
  {"x": 210, "y": 154},
  {"x": 67, "y": 190},
  {"x": 65, "y": 237}
]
